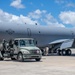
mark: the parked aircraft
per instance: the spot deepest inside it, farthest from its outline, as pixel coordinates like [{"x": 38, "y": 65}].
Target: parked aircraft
[{"x": 58, "y": 39}]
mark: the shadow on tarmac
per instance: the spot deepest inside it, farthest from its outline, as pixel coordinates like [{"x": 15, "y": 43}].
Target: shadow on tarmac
[
  {"x": 26, "y": 60},
  {"x": 33, "y": 60}
]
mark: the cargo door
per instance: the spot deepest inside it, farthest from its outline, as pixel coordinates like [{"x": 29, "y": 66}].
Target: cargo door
[{"x": 28, "y": 32}]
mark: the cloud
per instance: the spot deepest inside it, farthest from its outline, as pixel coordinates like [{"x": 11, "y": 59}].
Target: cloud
[
  {"x": 17, "y": 4},
  {"x": 44, "y": 18},
  {"x": 68, "y": 17},
  {"x": 36, "y": 14},
  {"x": 60, "y": 1},
  {"x": 42, "y": 4},
  {"x": 65, "y": 3},
  {"x": 41, "y": 17},
  {"x": 6, "y": 18},
  {"x": 70, "y": 5},
  {"x": 31, "y": 3},
  {"x": 51, "y": 21}
]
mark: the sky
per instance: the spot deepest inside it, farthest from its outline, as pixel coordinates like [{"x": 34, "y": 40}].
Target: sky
[{"x": 53, "y": 13}]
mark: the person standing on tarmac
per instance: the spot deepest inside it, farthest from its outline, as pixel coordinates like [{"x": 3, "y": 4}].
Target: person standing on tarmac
[
  {"x": 11, "y": 43},
  {"x": 4, "y": 47}
]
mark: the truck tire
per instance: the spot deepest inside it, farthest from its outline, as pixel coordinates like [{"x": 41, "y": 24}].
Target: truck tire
[
  {"x": 20, "y": 57},
  {"x": 38, "y": 59},
  {"x": 13, "y": 58}
]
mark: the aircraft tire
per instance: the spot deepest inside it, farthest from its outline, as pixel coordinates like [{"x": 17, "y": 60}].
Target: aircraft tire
[
  {"x": 68, "y": 52},
  {"x": 59, "y": 52},
  {"x": 63, "y": 52}
]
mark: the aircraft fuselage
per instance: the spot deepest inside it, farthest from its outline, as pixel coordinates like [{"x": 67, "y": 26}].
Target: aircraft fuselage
[{"x": 42, "y": 34}]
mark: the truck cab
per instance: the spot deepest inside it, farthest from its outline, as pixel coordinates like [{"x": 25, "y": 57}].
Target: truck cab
[{"x": 24, "y": 48}]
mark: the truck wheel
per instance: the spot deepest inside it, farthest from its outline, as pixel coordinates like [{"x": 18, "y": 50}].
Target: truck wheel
[
  {"x": 38, "y": 59},
  {"x": 68, "y": 52},
  {"x": 20, "y": 57}
]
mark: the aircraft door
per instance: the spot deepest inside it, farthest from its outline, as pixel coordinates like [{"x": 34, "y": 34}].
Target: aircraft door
[{"x": 28, "y": 32}]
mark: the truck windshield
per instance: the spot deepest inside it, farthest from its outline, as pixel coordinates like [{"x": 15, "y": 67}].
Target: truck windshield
[{"x": 26, "y": 43}]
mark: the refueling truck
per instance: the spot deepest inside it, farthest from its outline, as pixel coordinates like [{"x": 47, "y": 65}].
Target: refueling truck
[{"x": 20, "y": 49}]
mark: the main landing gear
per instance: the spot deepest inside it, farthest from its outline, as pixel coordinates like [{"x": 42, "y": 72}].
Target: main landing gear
[{"x": 64, "y": 52}]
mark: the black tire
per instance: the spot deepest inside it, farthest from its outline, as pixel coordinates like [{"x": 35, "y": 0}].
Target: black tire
[
  {"x": 59, "y": 52},
  {"x": 63, "y": 52},
  {"x": 68, "y": 52},
  {"x": 1, "y": 58},
  {"x": 13, "y": 58},
  {"x": 38, "y": 59},
  {"x": 20, "y": 57}
]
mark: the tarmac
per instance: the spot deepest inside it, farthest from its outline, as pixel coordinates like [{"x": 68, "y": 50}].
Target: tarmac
[{"x": 49, "y": 65}]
